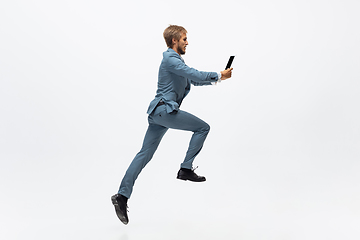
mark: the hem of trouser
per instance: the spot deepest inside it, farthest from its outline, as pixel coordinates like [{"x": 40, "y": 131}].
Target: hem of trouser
[
  {"x": 125, "y": 195},
  {"x": 186, "y": 166}
]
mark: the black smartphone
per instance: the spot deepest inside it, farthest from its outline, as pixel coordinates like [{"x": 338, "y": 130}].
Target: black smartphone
[{"x": 231, "y": 59}]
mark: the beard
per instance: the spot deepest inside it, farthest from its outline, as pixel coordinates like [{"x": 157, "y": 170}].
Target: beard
[{"x": 182, "y": 52}]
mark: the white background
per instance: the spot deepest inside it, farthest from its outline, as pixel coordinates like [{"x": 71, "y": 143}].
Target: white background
[{"x": 282, "y": 156}]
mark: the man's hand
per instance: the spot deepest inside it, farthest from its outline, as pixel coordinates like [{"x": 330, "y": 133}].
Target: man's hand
[{"x": 226, "y": 73}]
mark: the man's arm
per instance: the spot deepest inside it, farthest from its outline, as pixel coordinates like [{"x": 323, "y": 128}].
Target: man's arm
[{"x": 177, "y": 66}]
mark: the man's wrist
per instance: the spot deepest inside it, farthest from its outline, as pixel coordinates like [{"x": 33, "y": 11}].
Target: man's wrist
[
  {"x": 218, "y": 80},
  {"x": 219, "y": 77}
]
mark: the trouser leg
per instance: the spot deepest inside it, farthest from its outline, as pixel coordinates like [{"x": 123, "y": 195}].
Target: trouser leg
[
  {"x": 152, "y": 139},
  {"x": 185, "y": 121},
  {"x": 195, "y": 146}
]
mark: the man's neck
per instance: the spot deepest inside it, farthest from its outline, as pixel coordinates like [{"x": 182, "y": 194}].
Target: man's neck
[{"x": 175, "y": 49}]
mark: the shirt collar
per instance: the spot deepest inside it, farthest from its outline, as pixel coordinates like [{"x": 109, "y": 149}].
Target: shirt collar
[{"x": 172, "y": 50}]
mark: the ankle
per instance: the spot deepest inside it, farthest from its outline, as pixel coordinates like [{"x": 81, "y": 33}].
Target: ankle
[
  {"x": 186, "y": 169},
  {"x": 125, "y": 199}
]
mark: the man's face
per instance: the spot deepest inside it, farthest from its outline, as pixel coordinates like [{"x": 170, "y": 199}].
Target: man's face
[{"x": 181, "y": 44}]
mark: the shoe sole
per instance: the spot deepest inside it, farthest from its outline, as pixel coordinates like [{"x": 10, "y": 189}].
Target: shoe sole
[{"x": 187, "y": 179}]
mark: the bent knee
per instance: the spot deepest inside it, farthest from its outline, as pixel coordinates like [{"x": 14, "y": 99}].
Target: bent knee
[{"x": 205, "y": 128}]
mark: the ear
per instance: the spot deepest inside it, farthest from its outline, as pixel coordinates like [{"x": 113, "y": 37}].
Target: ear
[{"x": 174, "y": 41}]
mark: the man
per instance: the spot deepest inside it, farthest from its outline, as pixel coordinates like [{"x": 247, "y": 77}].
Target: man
[{"x": 174, "y": 81}]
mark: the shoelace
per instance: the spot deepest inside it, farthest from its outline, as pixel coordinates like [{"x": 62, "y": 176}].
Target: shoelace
[
  {"x": 194, "y": 168},
  {"x": 127, "y": 207}
]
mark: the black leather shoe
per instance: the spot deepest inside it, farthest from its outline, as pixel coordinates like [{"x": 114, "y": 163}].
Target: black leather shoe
[
  {"x": 189, "y": 174},
  {"x": 120, "y": 204}
]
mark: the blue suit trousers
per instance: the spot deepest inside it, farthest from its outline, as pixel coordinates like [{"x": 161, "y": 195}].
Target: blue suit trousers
[{"x": 159, "y": 122}]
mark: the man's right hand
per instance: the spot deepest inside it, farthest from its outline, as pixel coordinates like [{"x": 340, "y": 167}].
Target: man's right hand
[{"x": 226, "y": 73}]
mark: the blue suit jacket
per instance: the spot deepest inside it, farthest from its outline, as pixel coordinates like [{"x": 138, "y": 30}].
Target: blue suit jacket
[{"x": 175, "y": 79}]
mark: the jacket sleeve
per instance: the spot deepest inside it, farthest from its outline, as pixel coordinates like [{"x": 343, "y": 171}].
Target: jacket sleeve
[
  {"x": 178, "y": 67},
  {"x": 202, "y": 83}
]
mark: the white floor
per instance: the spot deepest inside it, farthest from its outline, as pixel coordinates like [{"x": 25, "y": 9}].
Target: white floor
[{"x": 250, "y": 199}]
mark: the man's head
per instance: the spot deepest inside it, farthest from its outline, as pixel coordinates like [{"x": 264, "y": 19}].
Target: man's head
[{"x": 175, "y": 38}]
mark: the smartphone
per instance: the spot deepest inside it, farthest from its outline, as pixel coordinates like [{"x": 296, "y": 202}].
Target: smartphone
[{"x": 231, "y": 59}]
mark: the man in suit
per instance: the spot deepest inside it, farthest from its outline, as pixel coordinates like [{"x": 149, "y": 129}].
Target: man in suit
[{"x": 174, "y": 81}]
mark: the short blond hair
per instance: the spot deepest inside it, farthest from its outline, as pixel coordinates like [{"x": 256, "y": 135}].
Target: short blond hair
[{"x": 173, "y": 31}]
